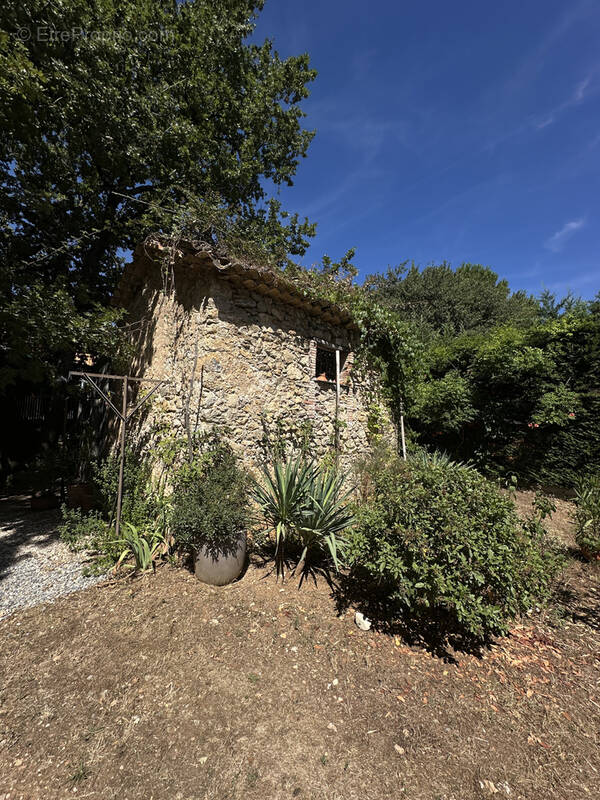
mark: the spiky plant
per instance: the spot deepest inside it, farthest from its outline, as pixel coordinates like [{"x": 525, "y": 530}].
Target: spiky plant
[
  {"x": 298, "y": 500},
  {"x": 281, "y": 498},
  {"x": 144, "y": 546},
  {"x": 325, "y": 516}
]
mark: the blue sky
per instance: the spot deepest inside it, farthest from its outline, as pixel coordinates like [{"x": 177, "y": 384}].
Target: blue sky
[{"x": 463, "y": 131}]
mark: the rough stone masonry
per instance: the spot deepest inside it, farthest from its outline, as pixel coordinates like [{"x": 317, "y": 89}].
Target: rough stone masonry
[{"x": 244, "y": 352}]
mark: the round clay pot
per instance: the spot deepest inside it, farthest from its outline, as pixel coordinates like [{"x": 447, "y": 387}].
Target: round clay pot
[
  {"x": 80, "y": 495},
  {"x": 43, "y": 502},
  {"x": 220, "y": 566}
]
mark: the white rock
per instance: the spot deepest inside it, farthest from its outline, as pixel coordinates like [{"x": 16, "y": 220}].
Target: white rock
[{"x": 362, "y": 622}]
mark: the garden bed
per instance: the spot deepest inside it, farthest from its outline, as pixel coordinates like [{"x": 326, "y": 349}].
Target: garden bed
[{"x": 161, "y": 687}]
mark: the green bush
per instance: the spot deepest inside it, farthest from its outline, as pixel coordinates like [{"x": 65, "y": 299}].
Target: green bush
[
  {"x": 210, "y": 499},
  {"x": 438, "y": 535},
  {"x": 145, "y": 507},
  {"x": 143, "y": 504},
  {"x": 587, "y": 515},
  {"x": 518, "y": 401},
  {"x": 90, "y": 532}
]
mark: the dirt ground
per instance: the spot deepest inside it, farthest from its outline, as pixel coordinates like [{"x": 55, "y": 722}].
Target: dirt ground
[{"x": 161, "y": 687}]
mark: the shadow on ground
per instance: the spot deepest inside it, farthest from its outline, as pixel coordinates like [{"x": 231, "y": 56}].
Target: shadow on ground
[
  {"x": 434, "y": 630},
  {"x": 21, "y": 528}
]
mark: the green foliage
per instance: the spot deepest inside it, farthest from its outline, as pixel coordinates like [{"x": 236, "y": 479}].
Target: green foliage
[
  {"x": 144, "y": 546},
  {"x": 145, "y": 508},
  {"x": 516, "y": 401},
  {"x": 78, "y": 529},
  {"x": 325, "y": 515},
  {"x": 587, "y": 515},
  {"x": 376, "y": 422},
  {"x": 210, "y": 498},
  {"x": 370, "y": 465},
  {"x": 44, "y": 328},
  {"x": 142, "y": 109},
  {"x": 267, "y": 238},
  {"x": 282, "y": 498},
  {"x": 304, "y": 503},
  {"x": 144, "y": 503},
  {"x": 90, "y": 532},
  {"x": 559, "y": 406},
  {"x": 437, "y": 535},
  {"x": 447, "y": 302},
  {"x": 444, "y": 404},
  {"x": 504, "y": 380}
]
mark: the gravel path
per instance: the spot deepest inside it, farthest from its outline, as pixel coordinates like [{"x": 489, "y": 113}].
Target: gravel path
[{"x": 35, "y": 566}]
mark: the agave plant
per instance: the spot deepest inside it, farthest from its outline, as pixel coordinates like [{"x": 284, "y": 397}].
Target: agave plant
[
  {"x": 325, "y": 516},
  {"x": 440, "y": 458},
  {"x": 282, "y": 498},
  {"x": 145, "y": 547},
  {"x": 300, "y": 501}
]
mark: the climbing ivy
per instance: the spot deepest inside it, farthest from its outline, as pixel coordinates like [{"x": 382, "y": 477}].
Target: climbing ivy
[{"x": 387, "y": 344}]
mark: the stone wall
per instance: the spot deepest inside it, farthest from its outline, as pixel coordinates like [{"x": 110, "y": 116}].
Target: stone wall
[{"x": 254, "y": 363}]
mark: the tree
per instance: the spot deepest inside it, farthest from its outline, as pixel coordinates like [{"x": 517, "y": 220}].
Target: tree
[
  {"x": 440, "y": 300},
  {"x": 110, "y": 111},
  {"x": 517, "y": 401}
]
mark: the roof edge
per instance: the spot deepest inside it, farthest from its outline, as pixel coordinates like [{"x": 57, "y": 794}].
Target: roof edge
[{"x": 262, "y": 280}]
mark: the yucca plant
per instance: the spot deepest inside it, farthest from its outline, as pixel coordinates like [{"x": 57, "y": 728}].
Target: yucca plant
[
  {"x": 298, "y": 500},
  {"x": 324, "y": 517},
  {"x": 145, "y": 547},
  {"x": 440, "y": 458},
  {"x": 281, "y": 498}
]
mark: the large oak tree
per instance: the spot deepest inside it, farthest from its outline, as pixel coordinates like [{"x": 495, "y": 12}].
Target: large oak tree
[{"x": 109, "y": 110}]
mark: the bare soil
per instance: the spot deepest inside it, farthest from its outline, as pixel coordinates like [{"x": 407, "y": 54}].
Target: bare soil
[{"x": 162, "y": 687}]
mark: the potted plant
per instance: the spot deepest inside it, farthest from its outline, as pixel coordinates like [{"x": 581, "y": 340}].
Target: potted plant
[{"x": 210, "y": 513}]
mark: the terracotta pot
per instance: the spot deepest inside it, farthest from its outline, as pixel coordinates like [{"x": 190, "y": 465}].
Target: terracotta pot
[
  {"x": 218, "y": 566},
  {"x": 80, "y": 495},
  {"x": 43, "y": 502}
]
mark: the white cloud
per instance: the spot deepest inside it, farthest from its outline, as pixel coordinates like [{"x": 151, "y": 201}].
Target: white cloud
[
  {"x": 577, "y": 96},
  {"x": 557, "y": 241},
  {"x": 580, "y": 90},
  {"x": 544, "y": 123}
]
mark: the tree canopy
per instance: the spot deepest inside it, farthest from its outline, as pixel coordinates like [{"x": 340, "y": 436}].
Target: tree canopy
[
  {"x": 113, "y": 116},
  {"x": 440, "y": 300}
]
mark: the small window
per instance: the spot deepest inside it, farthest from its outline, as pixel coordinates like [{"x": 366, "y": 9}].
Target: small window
[{"x": 325, "y": 364}]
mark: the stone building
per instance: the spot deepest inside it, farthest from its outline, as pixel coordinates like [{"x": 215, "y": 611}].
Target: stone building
[{"x": 244, "y": 351}]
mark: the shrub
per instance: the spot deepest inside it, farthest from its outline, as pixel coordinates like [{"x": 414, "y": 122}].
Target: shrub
[
  {"x": 142, "y": 502},
  {"x": 325, "y": 515},
  {"x": 438, "y": 535},
  {"x": 587, "y": 516},
  {"x": 210, "y": 499},
  {"x": 89, "y": 532},
  {"x": 281, "y": 500},
  {"x": 145, "y": 507}
]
